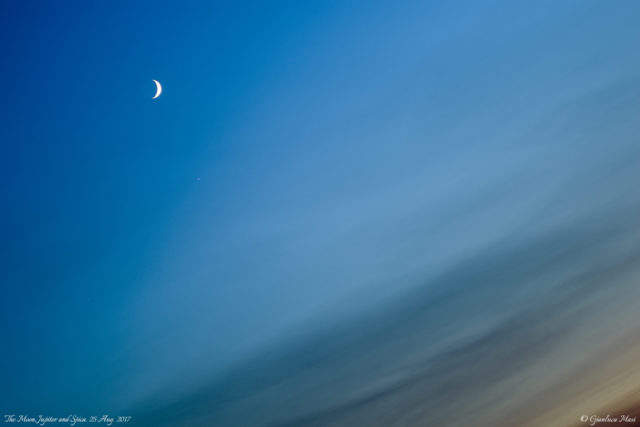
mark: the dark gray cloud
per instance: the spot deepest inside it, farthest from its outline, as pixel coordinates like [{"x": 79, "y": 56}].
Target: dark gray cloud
[{"x": 456, "y": 349}]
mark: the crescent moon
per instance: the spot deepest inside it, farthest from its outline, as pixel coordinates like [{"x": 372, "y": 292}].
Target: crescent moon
[{"x": 158, "y": 89}]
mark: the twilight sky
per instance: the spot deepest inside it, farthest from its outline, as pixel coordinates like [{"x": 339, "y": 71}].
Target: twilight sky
[{"x": 336, "y": 214}]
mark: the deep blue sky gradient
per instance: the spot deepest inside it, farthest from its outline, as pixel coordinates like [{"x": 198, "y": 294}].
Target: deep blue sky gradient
[{"x": 306, "y": 162}]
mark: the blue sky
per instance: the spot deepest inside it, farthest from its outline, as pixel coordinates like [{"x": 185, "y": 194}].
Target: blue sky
[{"x": 306, "y": 165}]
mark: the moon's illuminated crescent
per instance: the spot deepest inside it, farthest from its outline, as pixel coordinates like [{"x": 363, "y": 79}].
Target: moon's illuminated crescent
[{"x": 159, "y": 89}]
